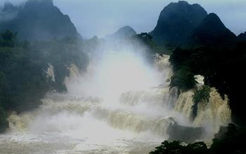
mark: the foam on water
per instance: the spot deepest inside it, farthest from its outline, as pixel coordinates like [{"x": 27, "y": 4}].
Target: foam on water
[{"x": 121, "y": 105}]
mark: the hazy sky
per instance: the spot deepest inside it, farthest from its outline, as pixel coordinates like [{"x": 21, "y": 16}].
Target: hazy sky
[{"x": 100, "y": 17}]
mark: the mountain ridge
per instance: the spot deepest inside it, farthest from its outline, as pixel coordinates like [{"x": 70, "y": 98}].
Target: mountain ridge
[
  {"x": 123, "y": 33},
  {"x": 176, "y": 22},
  {"x": 242, "y": 36},
  {"x": 212, "y": 31},
  {"x": 32, "y": 23}
]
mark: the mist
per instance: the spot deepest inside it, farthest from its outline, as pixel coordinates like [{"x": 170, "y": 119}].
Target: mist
[
  {"x": 112, "y": 107},
  {"x": 6, "y": 17},
  {"x": 96, "y": 17},
  {"x": 122, "y": 68},
  {"x": 111, "y": 94},
  {"x": 103, "y": 17}
]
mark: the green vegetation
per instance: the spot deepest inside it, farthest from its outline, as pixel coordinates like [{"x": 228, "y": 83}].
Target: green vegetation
[
  {"x": 183, "y": 78},
  {"x": 222, "y": 66},
  {"x": 176, "y": 147},
  {"x": 147, "y": 40},
  {"x": 229, "y": 140},
  {"x": 3, "y": 120},
  {"x": 201, "y": 95},
  {"x": 23, "y": 65}
]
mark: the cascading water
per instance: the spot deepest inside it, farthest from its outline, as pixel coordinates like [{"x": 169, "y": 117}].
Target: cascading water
[{"x": 121, "y": 105}]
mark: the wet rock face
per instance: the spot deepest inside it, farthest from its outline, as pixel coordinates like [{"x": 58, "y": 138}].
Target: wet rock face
[{"x": 184, "y": 133}]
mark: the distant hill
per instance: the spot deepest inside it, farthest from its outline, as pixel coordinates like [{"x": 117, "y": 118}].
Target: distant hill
[
  {"x": 212, "y": 31},
  {"x": 9, "y": 7},
  {"x": 8, "y": 12},
  {"x": 37, "y": 20},
  {"x": 123, "y": 33},
  {"x": 176, "y": 22}
]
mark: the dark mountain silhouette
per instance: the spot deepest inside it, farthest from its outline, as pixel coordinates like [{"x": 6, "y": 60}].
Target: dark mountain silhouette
[
  {"x": 39, "y": 20},
  {"x": 242, "y": 37},
  {"x": 8, "y": 12},
  {"x": 9, "y": 7},
  {"x": 176, "y": 23},
  {"x": 123, "y": 33},
  {"x": 212, "y": 31}
]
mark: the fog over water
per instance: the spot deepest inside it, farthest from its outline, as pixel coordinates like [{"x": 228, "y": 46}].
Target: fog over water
[
  {"x": 119, "y": 106},
  {"x": 123, "y": 102}
]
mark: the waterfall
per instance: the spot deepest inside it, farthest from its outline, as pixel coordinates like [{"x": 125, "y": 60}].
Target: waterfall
[
  {"x": 210, "y": 115},
  {"x": 50, "y": 72},
  {"x": 121, "y": 105}
]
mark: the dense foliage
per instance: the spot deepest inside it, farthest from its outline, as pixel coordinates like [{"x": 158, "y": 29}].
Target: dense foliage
[
  {"x": 183, "y": 78},
  {"x": 176, "y": 147},
  {"x": 23, "y": 76},
  {"x": 148, "y": 41},
  {"x": 229, "y": 140},
  {"x": 201, "y": 95},
  {"x": 222, "y": 66},
  {"x": 214, "y": 52}
]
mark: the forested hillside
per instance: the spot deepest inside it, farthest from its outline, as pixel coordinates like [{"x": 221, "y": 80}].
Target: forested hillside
[
  {"x": 23, "y": 71},
  {"x": 37, "y": 20}
]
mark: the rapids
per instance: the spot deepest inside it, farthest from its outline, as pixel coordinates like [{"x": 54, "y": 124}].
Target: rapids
[{"x": 121, "y": 105}]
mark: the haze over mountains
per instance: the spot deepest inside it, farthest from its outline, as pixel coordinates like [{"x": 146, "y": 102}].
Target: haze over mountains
[
  {"x": 31, "y": 22},
  {"x": 177, "y": 23},
  {"x": 124, "y": 32},
  {"x": 127, "y": 82},
  {"x": 144, "y": 18},
  {"x": 181, "y": 23}
]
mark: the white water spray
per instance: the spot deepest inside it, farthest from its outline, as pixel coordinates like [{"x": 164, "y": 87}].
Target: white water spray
[{"x": 121, "y": 105}]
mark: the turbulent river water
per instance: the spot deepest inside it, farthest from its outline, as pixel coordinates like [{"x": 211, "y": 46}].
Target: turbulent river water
[{"x": 121, "y": 105}]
